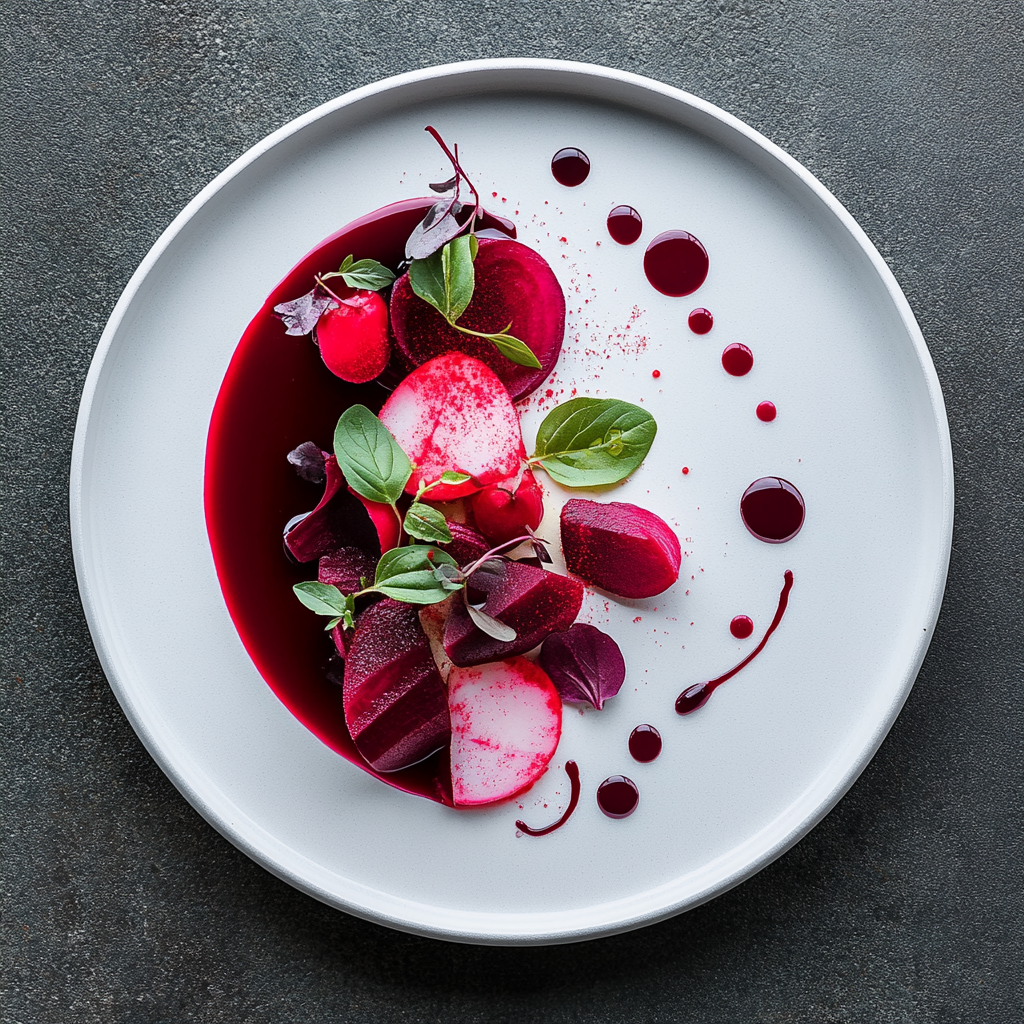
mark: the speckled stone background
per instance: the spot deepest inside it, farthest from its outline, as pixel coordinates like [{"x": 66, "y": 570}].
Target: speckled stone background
[{"x": 119, "y": 904}]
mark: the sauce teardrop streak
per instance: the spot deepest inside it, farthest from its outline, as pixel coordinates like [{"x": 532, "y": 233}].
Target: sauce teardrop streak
[
  {"x": 572, "y": 770},
  {"x": 696, "y": 696}
]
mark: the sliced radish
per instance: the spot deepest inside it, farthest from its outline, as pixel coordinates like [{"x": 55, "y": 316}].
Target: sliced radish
[
  {"x": 453, "y": 413},
  {"x": 506, "y": 720}
]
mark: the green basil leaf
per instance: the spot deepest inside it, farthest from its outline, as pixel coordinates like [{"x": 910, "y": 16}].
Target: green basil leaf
[
  {"x": 322, "y": 598},
  {"x": 407, "y": 574},
  {"x": 588, "y": 442},
  {"x": 346, "y": 263},
  {"x": 426, "y": 523},
  {"x": 369, "y": 456},
  {"x": 514, "y": 350},
  {"x": 445, "y": 278},
  {"x": 453, "y": 477},
  {"x": 367, "y": 274}
]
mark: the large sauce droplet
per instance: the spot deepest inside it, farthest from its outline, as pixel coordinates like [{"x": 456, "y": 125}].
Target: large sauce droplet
[
  {"x": 676, "y": 263},
  {"x": 572, "y": 770},
  {"x": 570, "y": 166},
  {"x": 618, "y": 796},
  {"x": 741, "y": 627},
  {"x": 644, "y": 743},
  {"x": 772, "y": 509},
  {"x": 625, "y": 225},
  {"x": 696, "y": 696}
]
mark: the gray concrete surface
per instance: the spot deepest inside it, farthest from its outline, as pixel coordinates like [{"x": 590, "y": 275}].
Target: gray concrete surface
[{"x": 119, "y": 904}]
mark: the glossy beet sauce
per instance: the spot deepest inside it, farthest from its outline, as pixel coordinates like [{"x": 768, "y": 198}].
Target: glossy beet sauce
[
  {"x": 625, "y": 225},
  {"x": 570, "y": 166},
  {"x": 276, "y": 394},
  {"x": 572, "y": 770},
  {"x": 644, "y": 743},
  {"x": 676, "y": 263}
]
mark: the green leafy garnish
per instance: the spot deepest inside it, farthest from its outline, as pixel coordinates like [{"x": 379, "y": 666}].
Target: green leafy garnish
[
  {"x": 589, "y": 442},
  {"x": 373, "y": 463},
  {"x": 325, "y": 599},
  {"x": 409, "y": 574},
  {"x": 424, "y": 522},
  {"x": 446, "y": 280},
  {"x": 453, "y": 477},
  {"x": 368, "y": 275}
]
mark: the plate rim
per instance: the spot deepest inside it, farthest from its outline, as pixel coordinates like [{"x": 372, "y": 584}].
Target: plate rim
[{"x": 473, "y": 926}]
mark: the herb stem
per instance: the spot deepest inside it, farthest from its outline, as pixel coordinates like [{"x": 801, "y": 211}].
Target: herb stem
[
  {"x": 507, "y": 546},
  {"x": 455, "y": 163},
  {"x": 320, "y": 281}
]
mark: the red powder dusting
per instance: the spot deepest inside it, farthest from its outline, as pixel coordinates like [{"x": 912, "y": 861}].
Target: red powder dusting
[{"x": 637, "y": 619}]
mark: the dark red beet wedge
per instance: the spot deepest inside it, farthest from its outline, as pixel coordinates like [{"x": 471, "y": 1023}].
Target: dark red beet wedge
[
  {"x": 346, "y": 567},
  {"x": 618, "y": 547},
  {"x": 533, "y": 602},
  {"x": 514, "y": 285},
  {"x": 340, "y": 520},
  {"x": 396, "y": 707}
]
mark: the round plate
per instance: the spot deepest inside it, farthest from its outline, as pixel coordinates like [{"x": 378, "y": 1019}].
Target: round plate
[{"x": 861, "y": 431}]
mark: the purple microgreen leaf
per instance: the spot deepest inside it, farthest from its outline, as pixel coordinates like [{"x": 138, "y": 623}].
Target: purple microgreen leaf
[
  {"x": 585, "y": 664},
  {"x": 490, "y": 625},
  {"x": 540, "y": 548},
  {"x": 440, "y": 225},
  {"x": 445, "y": 186},
  {"x": 300, "y": 315},
  {"x": 308, "y": 461}
]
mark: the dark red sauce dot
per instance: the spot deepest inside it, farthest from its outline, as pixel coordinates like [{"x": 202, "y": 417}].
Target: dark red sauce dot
[
  {"x": 737, "y": 359},
  {"x": 700, "y": 320},
  {"x": 741, "y": 627},
  {"x": 570, "y": 166},
  {"x": 618, "y": 796},
  {"x": 625, "y": 225},
  {"x": 772, "y": 509},
  {"x": 676, "y": 263},
  {"x": 766, "y": 412},
  {"x": 644, "y": 743}
]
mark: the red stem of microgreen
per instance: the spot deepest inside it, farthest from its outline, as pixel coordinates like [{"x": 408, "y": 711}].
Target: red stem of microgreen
[{"x": 454, "y": 157}]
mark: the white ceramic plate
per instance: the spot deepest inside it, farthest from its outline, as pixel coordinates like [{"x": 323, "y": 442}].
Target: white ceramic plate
[{"x": 861, "y": 431}]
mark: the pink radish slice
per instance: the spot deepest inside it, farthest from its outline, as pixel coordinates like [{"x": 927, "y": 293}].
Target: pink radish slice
[
  {"x": 454, "y": 413},
  {"x": 514, "y": 285},
  {"x": 506, "y": 722}
]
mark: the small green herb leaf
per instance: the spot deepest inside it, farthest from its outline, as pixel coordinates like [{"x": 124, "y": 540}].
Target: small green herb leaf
[
  {"x": 445, "y": 278},
  {"x": 474, "y": 246},
  {"x": 588, "y": 442},
  {"x": 426, "y": 523},
  {"x": 514, "y": 350},
  {"x": 407, "y": 574},
  {"x": 322, "y": 598},
  {"x": 369, "y": 456},
  {"x": 367, "y": 274},
  {"x": 453, "y": 477}
]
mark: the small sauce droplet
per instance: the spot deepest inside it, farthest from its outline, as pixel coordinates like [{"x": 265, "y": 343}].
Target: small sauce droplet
[
  {"x": 741, "y": 627},
  {"x": 700, "y": 320},
  {"x": 656, "y": 374},
  {"x": 625, "y": 225},
  {"x": 737, "y": 359},
  {"x": 676, "y": 263},
  {"x": 686, "y": 469},
  {"x": 766, "y": 412},
  {"x": 572, "y": 770},
  {"x": 644, "y": 743},
  {"x": 618, "y": 796},
  {"x": 570, "y": 166},
  {"x": 772, "y": 509},
  {"x": 696, "y": 696}
]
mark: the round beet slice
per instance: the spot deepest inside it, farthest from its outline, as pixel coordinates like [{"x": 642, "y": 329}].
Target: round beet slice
[{"x": 514, "y": 285}]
